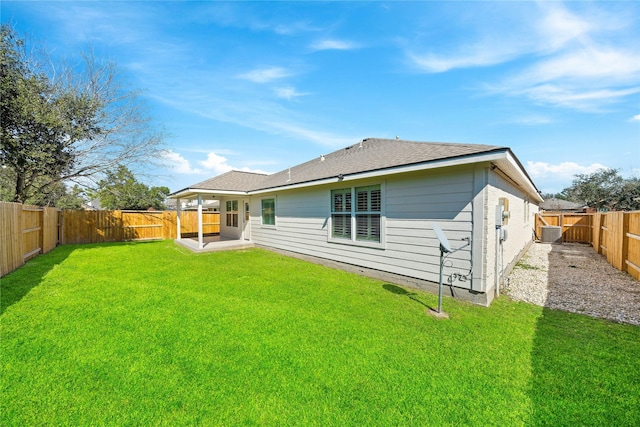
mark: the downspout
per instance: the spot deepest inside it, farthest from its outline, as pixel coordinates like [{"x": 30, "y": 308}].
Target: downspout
[
  {"x": 178, "y": 219},
  {"x": 200, "y": 240},
  {"x": 497, "y": 267}
]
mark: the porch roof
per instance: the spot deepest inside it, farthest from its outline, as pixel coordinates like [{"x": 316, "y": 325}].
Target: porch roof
[{"x": 229, "y": 183}]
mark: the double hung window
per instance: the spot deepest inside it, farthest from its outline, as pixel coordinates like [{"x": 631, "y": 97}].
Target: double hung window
[{"x": 356, "y": 214}]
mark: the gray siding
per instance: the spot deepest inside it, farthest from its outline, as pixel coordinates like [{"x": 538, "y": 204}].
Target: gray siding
[{"x": 411, "y": 203}]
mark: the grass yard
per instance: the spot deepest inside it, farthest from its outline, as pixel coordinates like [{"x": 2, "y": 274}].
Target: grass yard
[{"x": 150, "y": 334}]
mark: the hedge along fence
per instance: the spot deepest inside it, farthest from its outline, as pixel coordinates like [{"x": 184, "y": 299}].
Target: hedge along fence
[
  {"x": 26, "y": 231},
  {"x": 616, "y": 235}
]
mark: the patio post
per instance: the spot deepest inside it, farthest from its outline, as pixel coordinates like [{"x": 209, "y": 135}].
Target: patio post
[
  {"x": 178, "y": 211},
  {"x": 200, "y": 243}
]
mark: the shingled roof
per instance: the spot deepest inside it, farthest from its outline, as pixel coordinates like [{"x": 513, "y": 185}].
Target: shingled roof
[
  {"x": 369, "y": 155},
  {"x": 231, "y": 181},
  {"x": 554, "y": 204}
]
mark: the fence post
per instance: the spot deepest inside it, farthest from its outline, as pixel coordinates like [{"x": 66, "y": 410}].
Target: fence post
[
  {"x": 625, "y": 242},
  {"x": 615, "y": 238},
  {"x": 596, "y": 231},
  {"x": 61, "y": 227},
  {"x": 41, "y": 232}
]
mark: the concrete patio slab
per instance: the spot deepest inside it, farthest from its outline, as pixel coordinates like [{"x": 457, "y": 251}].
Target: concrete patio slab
[{"x": 214, "y": 243}]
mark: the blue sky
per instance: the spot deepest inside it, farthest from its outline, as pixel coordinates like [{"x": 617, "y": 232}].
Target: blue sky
[{"x": 262, "y": 86}]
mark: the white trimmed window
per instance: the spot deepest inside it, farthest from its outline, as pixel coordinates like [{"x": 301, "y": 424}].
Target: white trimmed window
[
  {"x": 268, "y": 211},
  {"x": 368, "y": 208},
  {"x": 359, "y": 221},
  {"x": 341, "y": 213}
]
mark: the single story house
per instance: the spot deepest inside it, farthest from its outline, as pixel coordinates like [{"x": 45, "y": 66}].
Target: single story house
[{"x": 371, "y": 207}]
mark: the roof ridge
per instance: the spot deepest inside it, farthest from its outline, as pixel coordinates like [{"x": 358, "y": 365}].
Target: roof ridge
[{"x": 250, "y": 172}]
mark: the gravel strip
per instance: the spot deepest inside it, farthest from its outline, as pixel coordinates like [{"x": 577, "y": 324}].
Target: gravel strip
[{"x": 573, "y": 277}]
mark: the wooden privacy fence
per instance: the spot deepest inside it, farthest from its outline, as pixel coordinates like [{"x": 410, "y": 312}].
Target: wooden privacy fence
[
  {"x": 26, "y": 231},
  {"x": 615, "y": 235},
  {"x": 576, "y": 227},
  {"x": 117, "y": 226}
]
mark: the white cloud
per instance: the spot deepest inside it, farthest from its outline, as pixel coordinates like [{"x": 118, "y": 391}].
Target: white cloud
[
  {"x": 572, "y": 59},
  {"x": 262, "y": 116},
  {"x": 265, "y": 75},
  {"x": 636, "y": 118},
  {"x": 589, "y": 100},
  {"x": 527, "y": 120},
  {"x": 589, "y": 61},
  {"x": 216, "y": 164},
  {"x": 213, "y": 165},
  {"x": 288, "y": 92},
  {"x": 559, "y": 27},
  {"x": 178, "y": 163},
  {"x": 553, "y": 178},
  {"x": 482, "y": 54},
  {"x": 561, "y": 171},
  {"x": 330, "y": 44},
  {"x": 319, "y": 137},
  {"x": 294, "y": 28}
]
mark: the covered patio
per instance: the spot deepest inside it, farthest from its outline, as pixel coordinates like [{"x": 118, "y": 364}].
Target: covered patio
[
  {"x": 213, "y": 243},
  {"x": 231, "y": 191}
]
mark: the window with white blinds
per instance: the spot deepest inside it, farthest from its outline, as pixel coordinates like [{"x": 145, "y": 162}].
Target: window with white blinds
[
  {"x": 363, "y": 216},
  {"x": 341, "y": 213},
  {"x": 368, "y": 213}
]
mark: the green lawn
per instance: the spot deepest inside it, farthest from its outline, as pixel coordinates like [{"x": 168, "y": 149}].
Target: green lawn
[{"x": 150, "y": 334}]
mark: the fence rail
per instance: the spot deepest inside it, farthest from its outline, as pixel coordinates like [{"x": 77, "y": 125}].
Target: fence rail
[
  {"x": 615, "y": 235},
  {"x": 26, "y": 231}
]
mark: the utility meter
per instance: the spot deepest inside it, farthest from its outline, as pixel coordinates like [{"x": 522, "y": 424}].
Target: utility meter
[{"x": 502, "y": 212}]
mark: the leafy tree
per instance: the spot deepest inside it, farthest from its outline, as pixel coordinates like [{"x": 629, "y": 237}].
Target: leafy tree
[
  {"x": 61, "y": 196},
  {"x": 121, "y": 190},
  {"x": 597, "y": 189},
  {"x": 629, "y": 196},
  {"x": 64, "y": 123},
  {"x": 604, "y": 189},
  {"x": 32, "y": 134},
  {"x": 548, "y": 196}
]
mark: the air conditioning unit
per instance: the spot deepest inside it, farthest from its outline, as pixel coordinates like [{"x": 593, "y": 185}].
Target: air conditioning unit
[{"x": 551, "y": 234}]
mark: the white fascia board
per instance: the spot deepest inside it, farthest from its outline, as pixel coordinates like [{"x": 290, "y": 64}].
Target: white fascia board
[
  {"x": 294, "y": 186},
  {"x": 436, "y": 164},
  {"x": 193, "y": 192},
  {"x": 478, "y": 158},
  {"x": 523, "y": 178}
]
